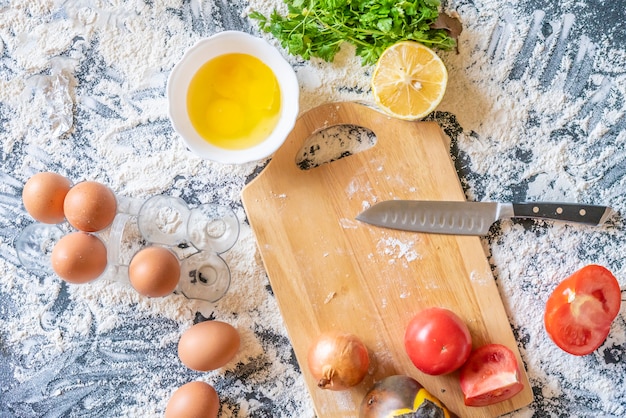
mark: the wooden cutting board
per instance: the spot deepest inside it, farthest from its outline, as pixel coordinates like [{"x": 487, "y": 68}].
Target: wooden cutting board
[{"x": 329, "y": 271}]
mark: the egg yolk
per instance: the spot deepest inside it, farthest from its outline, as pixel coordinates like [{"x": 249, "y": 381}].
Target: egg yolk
[{"x": 233, "y": 101}]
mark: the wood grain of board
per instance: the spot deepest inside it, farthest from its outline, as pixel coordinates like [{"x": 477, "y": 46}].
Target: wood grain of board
[{"x": 329, "y": 271}]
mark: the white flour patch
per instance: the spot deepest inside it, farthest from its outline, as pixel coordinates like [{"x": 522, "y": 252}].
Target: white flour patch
[
  {"x": 348, "y": 223},
  {"x": 480, "y": 279},
  {"x": 397, "y": 249},
  {"x": 530, "y": 117}
]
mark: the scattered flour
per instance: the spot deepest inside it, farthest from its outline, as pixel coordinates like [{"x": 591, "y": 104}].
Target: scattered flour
[
  {"x": 515, "y": 130},
  {"x": 528, "y": 119},
  {"x": 398, "y": 249}
]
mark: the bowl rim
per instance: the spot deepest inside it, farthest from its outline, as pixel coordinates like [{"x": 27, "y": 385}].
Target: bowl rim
[{"x": 213, "y": 46}]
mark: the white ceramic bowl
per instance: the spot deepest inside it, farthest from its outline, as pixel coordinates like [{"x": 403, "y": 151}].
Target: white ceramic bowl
[{"x": 209, "y": 48}]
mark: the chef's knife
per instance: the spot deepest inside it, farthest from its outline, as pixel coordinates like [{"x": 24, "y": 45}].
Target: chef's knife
[{"x": 474, "y": 218}]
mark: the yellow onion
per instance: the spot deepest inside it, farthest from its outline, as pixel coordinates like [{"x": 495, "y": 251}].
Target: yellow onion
[{"x": 338, "y": 360}]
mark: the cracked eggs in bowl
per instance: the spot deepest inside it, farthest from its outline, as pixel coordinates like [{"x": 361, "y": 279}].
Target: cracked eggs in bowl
[{"x": 233, "y": 98}]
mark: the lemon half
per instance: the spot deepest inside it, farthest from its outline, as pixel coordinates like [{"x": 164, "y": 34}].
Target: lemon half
[{"x": 409, "y": 80}]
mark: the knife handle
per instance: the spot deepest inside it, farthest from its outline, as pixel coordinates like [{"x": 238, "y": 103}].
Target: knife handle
[{"x": 570, "y": 212}]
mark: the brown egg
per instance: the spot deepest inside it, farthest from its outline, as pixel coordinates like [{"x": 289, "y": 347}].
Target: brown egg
[
  {"x": 90, "y": 206},
  {"x": 154, "y": 271},
  {"x": 193, "y": 400},
  {"x": 43, "y": 197},
  {"x": 208, "y": 345},
  {"x": 79, "y": 257}
]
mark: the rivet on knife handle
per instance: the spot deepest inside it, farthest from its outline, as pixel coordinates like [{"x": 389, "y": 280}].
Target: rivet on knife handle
[{"x": 571, "y": 212}]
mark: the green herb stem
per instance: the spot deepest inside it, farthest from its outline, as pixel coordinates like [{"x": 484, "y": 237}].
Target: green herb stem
[{"x": 318, "y": 27}]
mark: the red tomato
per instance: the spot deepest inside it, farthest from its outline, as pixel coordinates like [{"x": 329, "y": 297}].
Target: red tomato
[
  {"x": 437, "y": 341},
  {"x": 579, "y": 312},
  {"x": 491, "y": 375}
]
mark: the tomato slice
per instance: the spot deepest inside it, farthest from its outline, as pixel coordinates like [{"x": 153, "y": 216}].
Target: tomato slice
[
  {"x": 580, "y": 310},
  {"x": 490, "y": 375}
]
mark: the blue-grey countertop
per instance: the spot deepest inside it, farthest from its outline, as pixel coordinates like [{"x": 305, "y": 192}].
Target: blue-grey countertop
[{"x": 535, "y": 110}]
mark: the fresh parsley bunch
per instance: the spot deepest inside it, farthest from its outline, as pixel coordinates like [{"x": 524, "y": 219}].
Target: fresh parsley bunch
[{"x": 317, "y": 28}]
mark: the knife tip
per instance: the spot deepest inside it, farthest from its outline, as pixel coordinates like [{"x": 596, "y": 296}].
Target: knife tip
[{"x": 363, "y": 215}]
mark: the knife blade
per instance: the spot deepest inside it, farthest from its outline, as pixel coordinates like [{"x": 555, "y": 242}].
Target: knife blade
[{"x": 474, "y": 218}]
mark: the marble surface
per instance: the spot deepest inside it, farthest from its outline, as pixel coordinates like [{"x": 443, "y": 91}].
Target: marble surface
[{"x": 68, "y": 105}]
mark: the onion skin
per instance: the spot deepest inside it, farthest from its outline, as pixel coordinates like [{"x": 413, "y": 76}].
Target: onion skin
[
  {"x": 338, "y": 360},
  {"x": 401, "y": 395}
]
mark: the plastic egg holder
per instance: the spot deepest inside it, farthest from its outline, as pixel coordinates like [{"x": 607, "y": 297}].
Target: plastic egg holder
[
  {"x": 197, "y": 236},
  {"x": 35, "y": 243}
]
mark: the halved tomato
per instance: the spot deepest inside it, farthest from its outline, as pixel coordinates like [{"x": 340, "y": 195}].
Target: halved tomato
[
  {"x": 490, "y": 375},
  {"x": 580, "y": 310}
]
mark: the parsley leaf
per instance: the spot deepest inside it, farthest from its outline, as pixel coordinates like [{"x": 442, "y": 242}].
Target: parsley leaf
[{"x": 317, "y": 28}]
